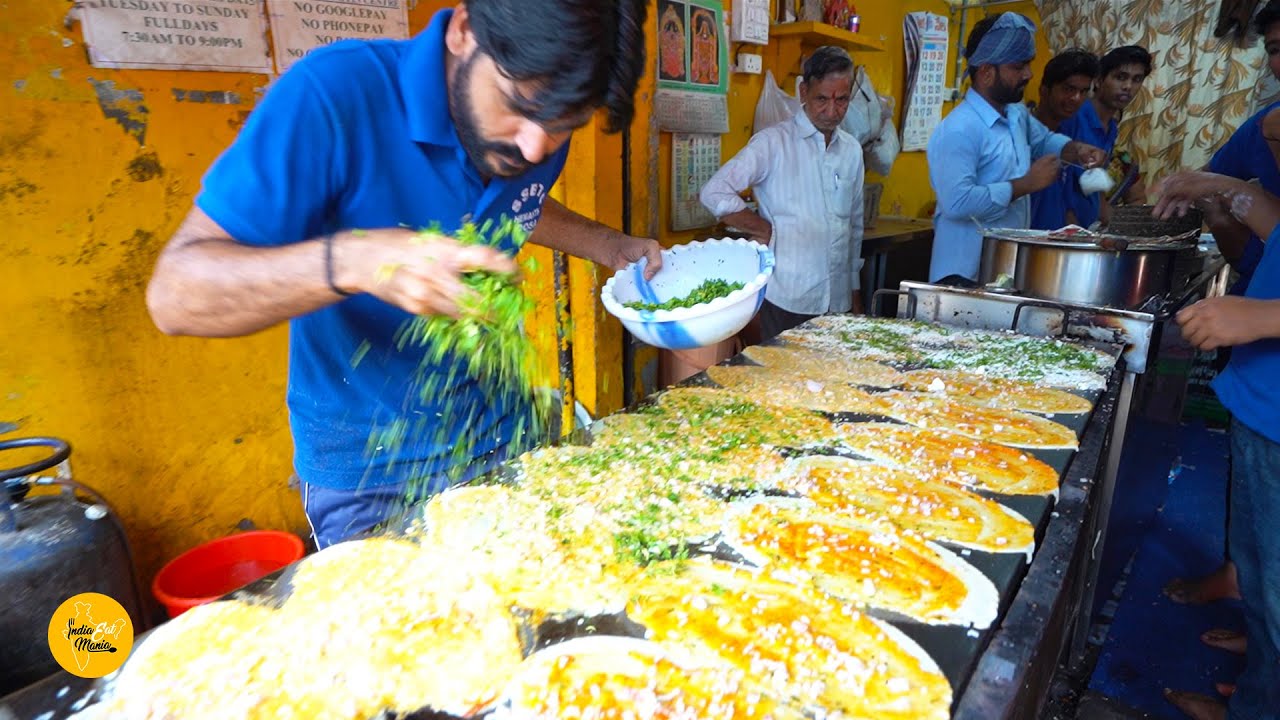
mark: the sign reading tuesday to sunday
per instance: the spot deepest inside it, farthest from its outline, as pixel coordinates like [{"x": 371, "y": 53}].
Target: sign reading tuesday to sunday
[{"x": 227, "y": 35}]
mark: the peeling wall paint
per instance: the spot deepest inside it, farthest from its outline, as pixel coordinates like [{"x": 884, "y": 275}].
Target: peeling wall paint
[
  {"x": 220, "y": 97},
  {"x": 123, "y": 106}
]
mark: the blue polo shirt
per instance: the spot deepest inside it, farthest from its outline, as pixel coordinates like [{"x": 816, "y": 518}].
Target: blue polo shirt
[
  {"x": 1049, "y": 206},
  {"x": 1247, "y": 156},
  {"x": 358, "y": 135},
  {"x": 1086, "y": 127},
  {"x": 1250, "y": 385}
]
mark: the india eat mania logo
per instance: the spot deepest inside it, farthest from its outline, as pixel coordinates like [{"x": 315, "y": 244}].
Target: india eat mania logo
[{"x": 90, "y": 635}]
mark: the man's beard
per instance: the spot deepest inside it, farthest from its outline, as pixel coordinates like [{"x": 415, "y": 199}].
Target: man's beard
[
  {"x": 1007, "y": 94},
  {"x": 511, "y": 161}
]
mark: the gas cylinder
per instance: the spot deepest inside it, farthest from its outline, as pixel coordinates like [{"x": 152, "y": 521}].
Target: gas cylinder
[{"x": 53, "y": 546}]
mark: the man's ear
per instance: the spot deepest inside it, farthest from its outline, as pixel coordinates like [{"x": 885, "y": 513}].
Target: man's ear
[
  {"x": 458, "y": 37},
  {"x": 985, "y": 76}
]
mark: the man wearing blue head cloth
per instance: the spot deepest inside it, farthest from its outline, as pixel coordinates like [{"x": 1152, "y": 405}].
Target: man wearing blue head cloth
[{"x": 980, "y": 155}]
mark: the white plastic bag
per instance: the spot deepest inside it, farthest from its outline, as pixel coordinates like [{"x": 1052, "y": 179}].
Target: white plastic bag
[
  {"x": 880, "y": 154},
  {"x": 865, "y": 117},
  {"x": 775, "y": 106}
]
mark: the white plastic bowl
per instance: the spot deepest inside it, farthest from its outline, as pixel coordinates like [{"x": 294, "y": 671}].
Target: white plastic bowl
[{"x": 684, "y": 268}]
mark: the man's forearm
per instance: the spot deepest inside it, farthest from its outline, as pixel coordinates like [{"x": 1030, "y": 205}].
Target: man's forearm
[
  {"x": 560, "y": 228},
  {"x": 1230, "y": 235},
  {"x": 1269, "y": 322},
  {"x": 206, "y": 285},
  {"x": 750, "y": 221},
  {"x": 1258, "y": 209}
]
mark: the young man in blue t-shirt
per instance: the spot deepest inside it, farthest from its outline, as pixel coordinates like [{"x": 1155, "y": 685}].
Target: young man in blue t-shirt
[
  {"x": 1064, "y": 88},
  {"x": 312, "y": 216},
  {"x": 1249, "y": 388},
  {"x": 1121, "y": 73}
]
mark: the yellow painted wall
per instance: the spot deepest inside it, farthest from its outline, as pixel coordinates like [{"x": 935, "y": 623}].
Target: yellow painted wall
[
  {"x": 186, "y": 437},
  {"x": 97, "y": 167}
]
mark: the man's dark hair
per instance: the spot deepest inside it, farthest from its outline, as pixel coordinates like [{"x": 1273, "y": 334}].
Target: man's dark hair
[
  {"x": 1068, "y": 64},
  {"x": 827, "y": 60},
  {"x": 581, "y": 54},
  {"x": 975, "y": 36},
  {"x": 1127, "y": 55},
  {"x": 1269, "y": 15}
]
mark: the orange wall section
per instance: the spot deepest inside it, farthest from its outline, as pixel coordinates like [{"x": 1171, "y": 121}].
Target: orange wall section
[{"x": 185, "y": 437}]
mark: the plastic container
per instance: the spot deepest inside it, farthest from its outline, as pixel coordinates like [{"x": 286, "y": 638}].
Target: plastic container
[
  {"x": 208, "y": 572},
  {"x": 684, "y": 268}
]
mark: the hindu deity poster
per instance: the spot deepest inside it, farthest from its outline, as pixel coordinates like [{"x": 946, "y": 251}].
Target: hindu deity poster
[{"x": 693, "y": 52}]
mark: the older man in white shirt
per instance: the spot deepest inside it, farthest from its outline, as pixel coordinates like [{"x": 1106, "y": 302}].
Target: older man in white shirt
[{"x": 806, "y": 174}]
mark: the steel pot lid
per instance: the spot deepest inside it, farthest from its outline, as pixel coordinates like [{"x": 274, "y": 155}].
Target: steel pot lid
[{"x": 1075, "y": 238}]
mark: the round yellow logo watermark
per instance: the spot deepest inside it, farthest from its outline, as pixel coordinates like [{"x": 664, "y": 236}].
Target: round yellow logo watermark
[{"x": 90, "y": 635}]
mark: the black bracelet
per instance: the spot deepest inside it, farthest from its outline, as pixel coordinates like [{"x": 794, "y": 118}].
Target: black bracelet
[{"x": 328, "y": 266}]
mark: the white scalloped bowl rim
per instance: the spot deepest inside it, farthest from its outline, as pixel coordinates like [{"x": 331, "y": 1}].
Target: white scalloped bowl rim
[{"x": 749, "y": 289}]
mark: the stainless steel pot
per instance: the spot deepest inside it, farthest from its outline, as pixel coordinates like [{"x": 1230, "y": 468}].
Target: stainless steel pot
[{"x": 1084, "y": 272}]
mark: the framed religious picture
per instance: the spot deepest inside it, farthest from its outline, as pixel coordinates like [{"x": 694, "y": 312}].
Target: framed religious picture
[
  {"x": 673, "y": 41},
  {"x": 693, "y": 52}
]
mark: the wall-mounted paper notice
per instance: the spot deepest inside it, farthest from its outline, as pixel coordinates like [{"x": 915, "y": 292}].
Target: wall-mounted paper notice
[
  {"x": 300, "y": 26},
  {"x": 226, "y": 35}
]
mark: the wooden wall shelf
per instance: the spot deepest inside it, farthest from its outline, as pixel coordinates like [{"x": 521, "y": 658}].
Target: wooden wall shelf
[{"x": 814, "y": 34}]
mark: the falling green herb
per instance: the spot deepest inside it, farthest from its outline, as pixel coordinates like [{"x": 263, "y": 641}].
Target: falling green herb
[
  {"x": 709, "y": 290},
  {"x": 484, "y": 346}
]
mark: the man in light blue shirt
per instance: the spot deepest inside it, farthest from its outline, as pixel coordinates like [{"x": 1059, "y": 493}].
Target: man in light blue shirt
[{"x": 980, "y": 156}]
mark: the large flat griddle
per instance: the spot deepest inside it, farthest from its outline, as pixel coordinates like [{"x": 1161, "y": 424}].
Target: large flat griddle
[{"x": 983, "y": 667}]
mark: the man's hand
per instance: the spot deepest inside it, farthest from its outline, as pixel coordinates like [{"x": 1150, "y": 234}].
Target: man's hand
[
  {"x": 1228, "y": 321},
  {"x": 1084, "y": 154},
  {"x": 417, "y": 272},
  {"x": 629, "y": 248},
  {"x": 1043, "y": 173},
  {"x": 1179, "y": 191},
  {"x": 757, "y": 228}
]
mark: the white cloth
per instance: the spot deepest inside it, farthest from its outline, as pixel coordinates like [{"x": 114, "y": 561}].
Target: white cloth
[{"x": 812, "y": 195}]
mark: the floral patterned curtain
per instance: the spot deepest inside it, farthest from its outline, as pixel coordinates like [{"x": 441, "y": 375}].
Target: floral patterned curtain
[{"x": 1199, "y": 91}]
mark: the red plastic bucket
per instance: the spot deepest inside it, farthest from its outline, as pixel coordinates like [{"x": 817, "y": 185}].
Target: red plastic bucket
[{"x": 209, "y": 571}]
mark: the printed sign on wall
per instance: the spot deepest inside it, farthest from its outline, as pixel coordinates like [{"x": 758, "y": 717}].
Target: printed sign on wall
[
  {"x": 227, "y": 35},
  {"x": 300, "y": 26}
]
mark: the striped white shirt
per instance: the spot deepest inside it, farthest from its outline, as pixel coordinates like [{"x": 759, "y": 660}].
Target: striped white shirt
[{"x": 812, "y": 195}]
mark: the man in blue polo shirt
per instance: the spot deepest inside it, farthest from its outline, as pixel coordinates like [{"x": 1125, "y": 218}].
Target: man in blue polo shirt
[
  {"x": 1064, "y": 87},
  {"x": 1249, "y": 387},
  {"x": 311, "y": 217},
  {"x": 1249, "y": 154},
  {"x": 1120, "y": 76}
]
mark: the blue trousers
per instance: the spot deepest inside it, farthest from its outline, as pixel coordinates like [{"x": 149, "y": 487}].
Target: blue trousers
[
  {"x": 338, "y": 514},
  {"x": 1255, "y": 548}
]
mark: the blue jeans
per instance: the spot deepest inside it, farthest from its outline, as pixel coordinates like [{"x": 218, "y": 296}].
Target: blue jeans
[
  {"x": 1255, "y": 548},
  {"x": 338, "y": 514}
]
